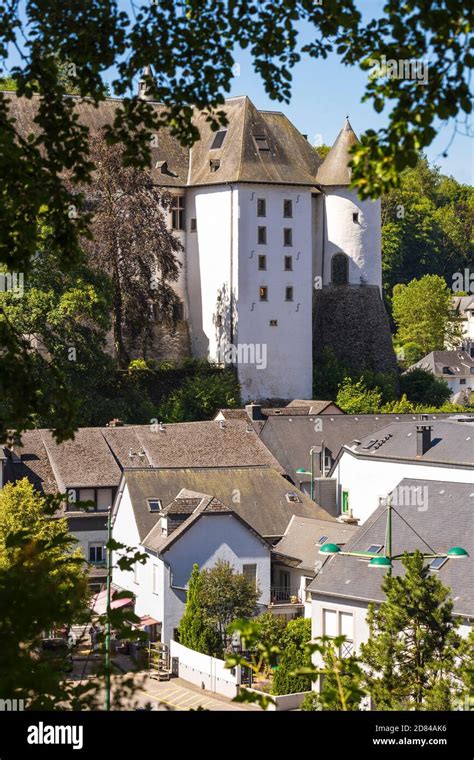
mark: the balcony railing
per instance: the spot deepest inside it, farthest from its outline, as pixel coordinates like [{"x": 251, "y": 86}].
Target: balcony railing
[{"x": 285, "y": 595}]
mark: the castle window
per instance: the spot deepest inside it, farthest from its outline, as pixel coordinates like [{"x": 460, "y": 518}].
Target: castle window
[
  {"x": 263, "y": 293},
  {"x": 193, "y": 226},
  {"x": 261, "y": 207},
  {"x": 218, "y": 139},
  {"x": 288, "y": 208},
  {"x": 339, "y": 269},
  {"x": 289, "y": 293},
  {"x": 262, "y": 235},
  {"x": 261, "y": 142},
  {"x": 355, "y": 217},
  {"x": 262, "y": 262},
  {"x": 287, "y": 236},
  {"x": 214, "y": 165},
  {"x": 177, "y": 212},
  {"x": 288, "y": 263},
  {"x": 274, "y": 323}
]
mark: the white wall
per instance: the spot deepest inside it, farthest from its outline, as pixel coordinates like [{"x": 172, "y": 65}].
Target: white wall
[
  {"x": 289, "y": 344},
  {"x": 368, "y": 480},
  {"x": 206, "y": 672},
  {"x": 360, "y": 241}
]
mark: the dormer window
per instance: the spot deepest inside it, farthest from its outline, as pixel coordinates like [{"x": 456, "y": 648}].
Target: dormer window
[
  {"x": 214, "y": 165},
  {"x": 219, "y": 138},
  {"x": 261, "y": 142}
]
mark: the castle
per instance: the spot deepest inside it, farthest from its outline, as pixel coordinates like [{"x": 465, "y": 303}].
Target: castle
[{"x": 267, "y": 228}]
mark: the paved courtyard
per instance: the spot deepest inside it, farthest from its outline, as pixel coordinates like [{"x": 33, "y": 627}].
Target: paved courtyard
[{"x": 177, "y": 694}]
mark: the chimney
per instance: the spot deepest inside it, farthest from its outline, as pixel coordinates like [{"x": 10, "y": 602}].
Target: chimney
[
  {"x": 145, "y": 84},
  {"x": 254, "y": 411},
  {"x": 423, "y": 439},
  {"x": 115, "y": 423}
]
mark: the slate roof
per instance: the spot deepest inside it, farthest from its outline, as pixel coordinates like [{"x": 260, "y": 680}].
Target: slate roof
[
  {"x": 302, "y": 535},
  {"x": 295, "y": 407},
  {"x": 97, "y": 456},
  {"x": 257, "y": 494},
  {"x": 459, "y": 364},
  {"x": 289, "y": 159},
  {"x": 335, "y": 170},
  {"x": 290, "y": 438},
  {"x": 462, "y": 303},
  {"x": 206, "y": 506},
  {"x": 452, "y": 443},
  {"x": 448, "y": 521}
]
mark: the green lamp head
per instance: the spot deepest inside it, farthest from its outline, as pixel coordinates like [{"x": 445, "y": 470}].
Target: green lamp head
[
  {"x": 457, "y": 552},
  {"x": 329, "y": 549},
  {"x": 380, "y": 562}
]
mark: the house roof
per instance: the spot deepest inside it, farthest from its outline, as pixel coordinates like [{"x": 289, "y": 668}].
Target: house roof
[
  {"x": 457, "y": 363},
  {"x": 335, "y": 168},
  {"x": 97, "y": 456},
  {"x": 302, "y": 535},
  {"x": 448, "y": 521},
  {"x": 257, "y": 494},
  {"x": 295, "y": 407},
  {"x": 452, "y": 443},
  {"x": 463, "y": 303},
  {"x": 290, "y": 438},
  {"x": 206, "y": 506},
  {"x": 279, "y": 155}
]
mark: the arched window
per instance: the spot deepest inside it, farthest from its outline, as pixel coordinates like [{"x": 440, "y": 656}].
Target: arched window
[{"x": 339, "y": 269}]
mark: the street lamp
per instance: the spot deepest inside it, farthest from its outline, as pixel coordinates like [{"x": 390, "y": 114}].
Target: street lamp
[
  {"x": 385, "y": 561},
  {"x": 302, "y": 471}
]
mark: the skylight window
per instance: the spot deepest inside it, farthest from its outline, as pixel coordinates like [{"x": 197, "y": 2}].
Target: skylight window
[
  {"x": 437, "y": 563},
  {"x": 261, "y": 142},
  {"x": 154, "y": 505},
  {"x": 374, "y": 548},
  {"x": 219, "y": 138},
  {"x": 322, "y": 540}
]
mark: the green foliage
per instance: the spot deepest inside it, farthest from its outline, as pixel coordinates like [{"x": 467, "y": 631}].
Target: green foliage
[
  {"x": 328, "y": 375},
  {"x": 194, "y": 631},
  {"x": 322, "y": 151},
  {"x": 340, "y": 678},
  {"x": 269, "y": 629},
  {"x": 410, "y": 656},
  {"x": 422, "y": 311},
  {"x": 294, "y": 655},
  {"x": 355, "y": 398},
  {"x": 43, "y": 585},
  {"x": 426, "y": 227},
  {"x": 201, "y": 396},
  {"x": 422, "y": 387}
]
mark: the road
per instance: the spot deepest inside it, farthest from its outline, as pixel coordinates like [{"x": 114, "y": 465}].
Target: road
[{"x": 177, "y": 694}]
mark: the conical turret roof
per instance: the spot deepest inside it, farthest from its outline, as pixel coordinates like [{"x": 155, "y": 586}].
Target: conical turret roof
[{"x": 335, "y": 169}]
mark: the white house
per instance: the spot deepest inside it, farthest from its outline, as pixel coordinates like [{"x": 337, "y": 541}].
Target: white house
[
  {"x": 344, "y": 586},
  {"x": 193, "y": 529},
  {"x": 464, "y": 308},
  {"x": 369, "y": 468},
  {"x": 456, "y": 368}
]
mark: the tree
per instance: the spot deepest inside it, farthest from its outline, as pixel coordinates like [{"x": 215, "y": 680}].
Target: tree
[
  {"x": 191, "y": 47},
  {"x": 410, "y": 656},
  {"x": 133, "y": 246},
  {"x": 269, "y": 629},
  {"x": 225, "y": 595},
  {"x": 340, "y": 678},
  {"x": 43, "y": 585},
  {"x": 355, "y": 398},
  {"x": 201, "y": 396},
  {"x": 294, "y": 655},
  {"x": 422, "y": 387},
  {"x": 194, "y": 631},
  {"x": 423, "y": 313}
]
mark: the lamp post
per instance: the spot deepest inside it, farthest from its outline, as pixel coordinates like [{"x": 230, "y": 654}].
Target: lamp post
[
  {"x": 107, "y": 624},
  {"x": 302, "y": 471},
  {"x": 385, "y": 560}
]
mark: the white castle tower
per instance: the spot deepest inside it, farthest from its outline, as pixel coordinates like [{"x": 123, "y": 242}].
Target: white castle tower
[{"x": 349, "y": 239}]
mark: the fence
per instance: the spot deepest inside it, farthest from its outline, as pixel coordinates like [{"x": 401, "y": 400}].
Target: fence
[{"x": 204, "y": 671}]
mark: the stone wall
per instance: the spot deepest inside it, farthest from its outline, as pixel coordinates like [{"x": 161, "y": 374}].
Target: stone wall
[{"x": 352, "y": 320}]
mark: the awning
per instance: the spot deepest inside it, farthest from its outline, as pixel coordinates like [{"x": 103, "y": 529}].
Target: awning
[
  {"x": 146, "y": 620},
  {"x": 99, "y": 601}
]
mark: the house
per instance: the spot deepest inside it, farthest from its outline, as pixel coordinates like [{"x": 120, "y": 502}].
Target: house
[
  {"x": 182, "y": 516},
  {"x": 264, "y": 225},
  {"x": 463, "y": 306},
  {"x": 456, "y": 368},
  {"x": 366, "y": 470},
  {"x": 344, "y": 586},
  {"x": 296, "y": 560},
  {"x": 89, "y": 467},
  {"x": 255, "y": 412}
]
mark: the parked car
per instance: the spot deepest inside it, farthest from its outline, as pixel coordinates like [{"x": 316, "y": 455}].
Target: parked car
[{"x": 57, "y": 651}]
